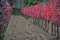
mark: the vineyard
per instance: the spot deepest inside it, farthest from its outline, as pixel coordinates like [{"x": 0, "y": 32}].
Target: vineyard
[
  {"x": 47, "y": 11},
  {"x": 41, "y": 17}
]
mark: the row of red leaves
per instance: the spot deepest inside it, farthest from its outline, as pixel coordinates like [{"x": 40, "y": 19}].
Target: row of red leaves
[
  {"x": 44, "y": 10},
  {"x": 9, "y": 11}
]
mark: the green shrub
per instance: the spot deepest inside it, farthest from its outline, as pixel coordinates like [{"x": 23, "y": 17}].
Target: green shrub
[{"x": 32, "y": 2}]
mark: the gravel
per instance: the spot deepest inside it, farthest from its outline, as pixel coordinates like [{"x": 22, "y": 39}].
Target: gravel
[{"x": 20, "y": 29}]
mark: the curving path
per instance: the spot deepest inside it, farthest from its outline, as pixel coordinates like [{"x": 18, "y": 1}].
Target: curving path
[{"x": 20, "y": 29}]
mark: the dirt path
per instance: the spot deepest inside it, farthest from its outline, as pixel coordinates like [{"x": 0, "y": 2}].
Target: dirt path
[{"x": 20, "y": 29}]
